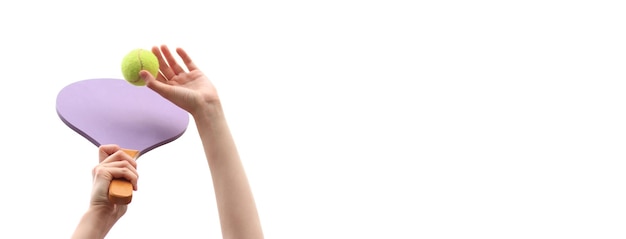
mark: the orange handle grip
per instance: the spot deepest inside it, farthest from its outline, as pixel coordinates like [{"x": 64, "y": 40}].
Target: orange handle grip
[{"x": 121, "y": 190}]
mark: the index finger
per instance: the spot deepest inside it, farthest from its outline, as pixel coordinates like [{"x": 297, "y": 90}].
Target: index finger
[
  {"x": 119, "y": 156},
  {"x": 105, "y": 151}
]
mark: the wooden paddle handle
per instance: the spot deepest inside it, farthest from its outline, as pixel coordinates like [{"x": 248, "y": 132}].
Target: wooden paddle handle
[{"x": 120, "y": 189}]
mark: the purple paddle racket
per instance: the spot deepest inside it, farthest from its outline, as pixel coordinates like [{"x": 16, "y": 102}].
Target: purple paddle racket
[{"x": 112, "y": 111}]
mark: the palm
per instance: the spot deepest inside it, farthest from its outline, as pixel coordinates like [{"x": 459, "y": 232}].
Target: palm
[
  {"x": 192, "y": 89},
  {"x": 100, "y": 200}
]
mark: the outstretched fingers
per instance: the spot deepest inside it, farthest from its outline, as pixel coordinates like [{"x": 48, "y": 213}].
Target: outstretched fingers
[
  {"x": 171, "y": 61},
  {"x": 186, "y": 59},
  {"x": 165, "y": 72}
]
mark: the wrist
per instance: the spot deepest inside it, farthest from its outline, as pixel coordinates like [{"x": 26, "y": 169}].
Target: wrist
[
  {"x": 103, "y": 216},
  {"x": 95, "y": 223},
  {"x": 208, "y": 112}
]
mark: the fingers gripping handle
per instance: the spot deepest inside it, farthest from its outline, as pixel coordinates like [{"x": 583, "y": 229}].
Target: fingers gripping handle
[{"x": 120, "y": 189}]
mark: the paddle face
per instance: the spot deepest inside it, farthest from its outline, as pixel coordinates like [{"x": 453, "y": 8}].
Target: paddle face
[{"x": 112, "y": 111}]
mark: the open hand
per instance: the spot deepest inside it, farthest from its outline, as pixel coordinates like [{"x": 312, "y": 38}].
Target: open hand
[{"x": 190, "y": 90}]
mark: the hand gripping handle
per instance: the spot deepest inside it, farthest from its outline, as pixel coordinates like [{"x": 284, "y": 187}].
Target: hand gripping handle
[{"x": 120, "y": 189}]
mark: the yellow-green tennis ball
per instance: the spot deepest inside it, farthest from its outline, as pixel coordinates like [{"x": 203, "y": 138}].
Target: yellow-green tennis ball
[{"x": 136, "y": 61}]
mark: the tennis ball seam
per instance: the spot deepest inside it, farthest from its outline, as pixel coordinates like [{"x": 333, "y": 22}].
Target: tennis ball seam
[
  {"x": 139, "y": 57},
  {"x": 140, "y": 65},
  {"x": 134, "y": 63}
]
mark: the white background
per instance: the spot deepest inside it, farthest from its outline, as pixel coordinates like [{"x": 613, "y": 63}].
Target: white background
[{"x": 354, "y": 119}]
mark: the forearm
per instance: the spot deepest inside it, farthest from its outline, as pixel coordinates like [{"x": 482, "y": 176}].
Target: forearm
[
  {"x": 94, "y": 224},
  {"x": 238, "y": 214}
]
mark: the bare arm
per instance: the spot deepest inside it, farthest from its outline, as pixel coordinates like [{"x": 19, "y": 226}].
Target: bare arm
[
  {"x": 192, "y": 91},
  {"x": 95, "y": 223},
  {"x": 102, "y": 214},
  {"x": 235, "y": 202}
]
